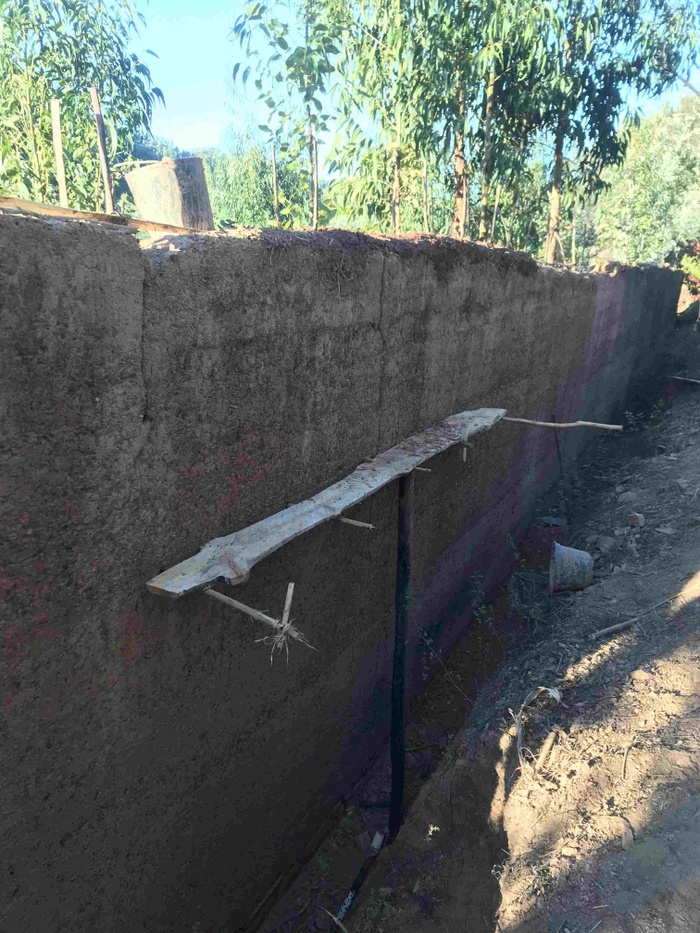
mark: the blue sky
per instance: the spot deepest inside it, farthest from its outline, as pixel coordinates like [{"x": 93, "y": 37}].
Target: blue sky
[{"x": 196, "y": 56}]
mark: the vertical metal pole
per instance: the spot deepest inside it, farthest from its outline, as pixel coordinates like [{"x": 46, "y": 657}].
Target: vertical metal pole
[{"x": 404, "y": 573}]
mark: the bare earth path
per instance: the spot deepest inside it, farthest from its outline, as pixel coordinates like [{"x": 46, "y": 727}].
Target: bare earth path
[{"x": 604, "y": 835}]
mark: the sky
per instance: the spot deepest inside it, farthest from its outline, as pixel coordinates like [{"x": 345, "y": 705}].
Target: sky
[{"x": 195, "y": 60}]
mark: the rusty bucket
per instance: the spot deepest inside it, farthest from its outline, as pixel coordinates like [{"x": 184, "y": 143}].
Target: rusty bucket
[
  {"x": 172, "y": 191},
  {"x": 569, "y": 569}
]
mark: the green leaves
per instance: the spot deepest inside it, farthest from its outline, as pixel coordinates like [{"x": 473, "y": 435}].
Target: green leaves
[{"x": 59, "y": 48}]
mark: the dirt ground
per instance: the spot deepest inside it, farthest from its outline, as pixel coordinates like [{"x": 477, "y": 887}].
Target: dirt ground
[{"x": 604, "y": 833}]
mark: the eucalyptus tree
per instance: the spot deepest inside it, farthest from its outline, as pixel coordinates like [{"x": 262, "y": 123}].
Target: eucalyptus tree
[
  {"x": 381, "y": 132},
  {"x": 292, "y": 76},
  {"x": 59, "y": 49},
  {"x": 599, "y": 51}
]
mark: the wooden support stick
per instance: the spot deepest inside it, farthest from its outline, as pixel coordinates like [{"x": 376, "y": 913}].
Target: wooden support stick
[
  {"x": 630, "y": 622},
  {"x": 275, "y": 188},
  {"x": 352, "y": 521},
  {"x": 102, "y": 147},
  {"x": 426, "y": 218},
  {"x": 686, "y": 379},
  {"x": 423, "y": 469},
  {"x": 283, "y": 629},
  {"x": 253, "y": 613},
  {"x": 51, "y": 210},
  {"x": 546, "y": 749},
  {"x": 58, "y": 152},
  {"x": 495, "y": 212},
  {"x": 569, "y": 424},
  {"x": 315, "y": 216},
  {"x": 288, "y": 604}
]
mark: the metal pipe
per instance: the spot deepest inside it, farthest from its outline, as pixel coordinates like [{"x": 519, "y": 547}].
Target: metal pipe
[{"x": 404, "y": 573}]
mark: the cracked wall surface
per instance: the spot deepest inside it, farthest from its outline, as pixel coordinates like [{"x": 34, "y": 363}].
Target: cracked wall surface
[{"x": 153, "y": 399}]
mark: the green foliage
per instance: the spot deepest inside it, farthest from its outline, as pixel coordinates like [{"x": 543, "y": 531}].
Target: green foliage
[
  {"x": 60, "y": 48},
  {"x": 239, "y": 180},
  {"x": 240, "y": 186},
  {"x": 652, "y": 204},
  {"x": 474, "y": 90},
  {"x": 291, "y": 77}
]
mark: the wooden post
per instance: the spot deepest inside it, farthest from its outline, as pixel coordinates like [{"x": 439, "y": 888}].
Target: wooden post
[
  {"x": 275, "y": 189},
  {"x": 315, "y": 216},
  {"x": 404, "y": 574},
  {"x": 102, "y": 146},
  {"x": 58, "y": 152},
  {"x": 465, "y": 205},
  {"x": 495, "y": 212},
  {"x": 573, "y": 242},
  {"x": 426, "y": 219}
]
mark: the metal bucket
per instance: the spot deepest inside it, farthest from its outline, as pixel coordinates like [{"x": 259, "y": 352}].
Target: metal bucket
[
  {"x": 569, "y": 569},
  {"x": 172, "y": 191}
]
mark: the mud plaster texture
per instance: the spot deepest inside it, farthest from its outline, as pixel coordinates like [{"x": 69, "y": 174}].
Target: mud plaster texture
[{"x": 156, "y": 768}]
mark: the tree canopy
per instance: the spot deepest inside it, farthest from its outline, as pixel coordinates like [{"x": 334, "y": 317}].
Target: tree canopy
[
  {"x": 465, "y": 94},
  {"x": 59, "y": 49}
]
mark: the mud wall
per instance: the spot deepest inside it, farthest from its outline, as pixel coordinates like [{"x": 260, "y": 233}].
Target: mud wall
[{"x": 157, "y": 770}]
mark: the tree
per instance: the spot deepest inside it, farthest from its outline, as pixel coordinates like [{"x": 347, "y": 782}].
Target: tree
[
  {"x": 651, "y": 207},
  {"x": 239, "y": 180},
  {"x": 599, "y": 49},
  {"x": 292, "y": 78},
  {"x": 59, "y": 49}
]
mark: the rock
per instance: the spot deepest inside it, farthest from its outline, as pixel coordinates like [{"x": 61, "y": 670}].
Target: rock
[
  {"x": 640, "y": 675},
  {"x": 637, "y": 520},
  {"x": 570, "y": 851},
  {"x": 605, "y": 544},
  {"x": 629, "y": 496},
  {"x": 666, "y": 530}
]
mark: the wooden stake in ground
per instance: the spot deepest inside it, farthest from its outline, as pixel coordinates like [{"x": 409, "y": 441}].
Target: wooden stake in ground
[
  {"x": 315, "y": 217},
  {"x": 275, "y": 189},
  {"x": 102, "y": 147},
  {"x": 495, "y": 212},
  {"x": 58, "y": 152},
  {"x": 426, "y": 219}
]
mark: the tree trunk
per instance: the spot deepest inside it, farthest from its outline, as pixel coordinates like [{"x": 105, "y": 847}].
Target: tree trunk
[
  {"x": 275, "y": 188},
  {"x": 310, "y": 146},
  {"x": 487, "y": 158},
  {"x": 426, "y": 216},
  {"x": 457, "y": 226},
  {"x": 495, "y": 213},
  {"x": 315, "y": 207},
  {"x": 555, "y": 195},
  {"x": 396, "y": 193},
  {"x": 460, "y": 169}
]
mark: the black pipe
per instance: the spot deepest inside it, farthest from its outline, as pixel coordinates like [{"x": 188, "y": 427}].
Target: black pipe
[
  {"x": 404, "y": 573},
  {"x": 361, "y": 878}
]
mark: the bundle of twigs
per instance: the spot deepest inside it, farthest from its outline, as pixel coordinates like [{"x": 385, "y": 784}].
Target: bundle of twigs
[{"x": 283, "y": 628}]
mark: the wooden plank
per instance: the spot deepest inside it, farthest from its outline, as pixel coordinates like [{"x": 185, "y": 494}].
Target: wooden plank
[
  {"x": 232, "y": 557},
  {"x": 51, "y": 210}
]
